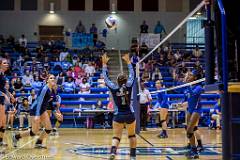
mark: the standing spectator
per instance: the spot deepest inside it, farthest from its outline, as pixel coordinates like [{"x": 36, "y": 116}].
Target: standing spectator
[
  {"x": 94, "y": 31},
  {"x": 80, "y": 28},
  {"x": 145, "y": 100},
  {"x": 159, "y": 29},
  {"x": 23, "y": 41},
  {"x": 144, "y": 27}
]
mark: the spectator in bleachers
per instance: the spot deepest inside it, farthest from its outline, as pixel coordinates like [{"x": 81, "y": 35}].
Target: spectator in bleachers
[
  {"x": 63, "y": 55},
  {"x": 69, "y": 86},
  {"x": 135, "y": 59},
  {"x": 46, "y": 63},
  {"x": 23, "y": 41},
  {"x": 14, "y": 78},
  {"x": 156, "y": 75},
  {"x": 32, "y": 97},
  {"x": 37, "y": 84},
  {"x": 60, "y": 78},
  {"x": 134, "y": 46},
  {"x": 70, "y": 72},
  {"x": 181, "y": 70},
  {"x": 43, "y": 75},
  {"x": 197, "y": 53},
  {"x": 198, "y": 67},
  {"x": 78, "y": 71},
  {"x": 27, "y": 79},
  {"x": 78, "y": 80},
  {"x": 84, "y": 86},
  {"x": 143, "y": 49},
  {"x": 159, "y": 29},
  {"x": 18, "y": 85},
  {"x": 144, "y": 27},
  {"x": 90, "y": 69},
  {"x": 24, "y": 110},
  {"x": 94, "y": 31},
  {"x": 11, "y": 40},
  {"x": 145, "y": 75},
  {"x": 149, "y": 66},
  {"x": 101, "y": 82},
  {"x": 80, "y": 28},
  {"x": 177, "y": 56}
]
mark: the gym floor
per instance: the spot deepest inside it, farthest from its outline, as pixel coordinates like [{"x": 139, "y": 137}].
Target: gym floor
[{"x": 93, "y": 144}]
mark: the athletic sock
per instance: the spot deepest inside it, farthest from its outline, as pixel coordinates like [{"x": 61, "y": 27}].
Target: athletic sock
[
  {"x": 1, "y": 139},
  {"x": 39, "y": 141},
  {"x": 199, "y": 142},
  {"x": 133, "y": 152},
  {"x": 114, "y": 150}
]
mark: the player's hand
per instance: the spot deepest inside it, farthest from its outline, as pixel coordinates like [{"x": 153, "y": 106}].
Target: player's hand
[
  {"x": 126, "y": 58},
  {"x": 105, "y": 59}
]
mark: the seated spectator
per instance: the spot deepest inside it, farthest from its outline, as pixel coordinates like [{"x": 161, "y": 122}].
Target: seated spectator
[
  {"x": 11, "y": 111},
  {"x": 216, "y": 116},
  {"x": 70, "y": 72},
  {"x": 78, "y": 80},
  {"x": 60, "y": 79},
  {"x": 32, "y": 97},
  {"x": 145, "y": 76},
  {"x": 23, "y": 41},
  {"x": 37, "y": 84},
  {"x": 43, "y": 75},
  {"x": 156, "y": 75},
  {"x": 144, "y": 27},
  {"x": 27, "y": 79},
  {"x": 78, "y": 71},
  {"x": 134, "y": 46},
  {"x": 178, "y": 56},
  {"x": 198, "y": 67},
  {"x": 69, "y": 86},
  {"x": 143, "y": 49},
  {"x": 14, "y": 78},
  {"x": 24, "y": 110},
  {"x": 101, "y": 82},
  {"x": 181, "y": 70},
  {"x": 197, "y": 53},
  {"x": 18, "y": 85},
  {"x": 84, "y": 86},
  {"x": 46, "y": 64},
  {"x": 90, "y": 69},
  {"x": 63, "y": 55}
]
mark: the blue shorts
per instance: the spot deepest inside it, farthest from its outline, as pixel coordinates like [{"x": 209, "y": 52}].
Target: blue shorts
[
  {"x": 192, "y": 110},
  {"x": 164, "y": 106},
  {"x": 124, "y": 118}
]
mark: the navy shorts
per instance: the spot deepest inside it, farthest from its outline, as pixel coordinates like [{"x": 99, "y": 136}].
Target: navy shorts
[
  {"x": 198, "y": 110},
  {"x": 33, "y": 112},
  {"x": 124, "y": 118}
]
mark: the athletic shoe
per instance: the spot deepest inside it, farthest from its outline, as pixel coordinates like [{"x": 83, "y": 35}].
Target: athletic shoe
[
  {"x": 14, "y": 140},
  {"x": 200, "y": 148},
  {"x": 188, "y": 146},
  {"x": 3, "y": 144},
  {"x": 40, "y": 146},
  {"x": 192, "y": 155},
  {"x": 162, "y": 135},
  {"x": 132, "y": 158},
  {"x": 112, "y": 157}
]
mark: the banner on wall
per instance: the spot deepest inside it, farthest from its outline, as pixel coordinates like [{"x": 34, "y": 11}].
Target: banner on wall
[
  {"x": 150, "y": 39},
  {"x": 81, "y": 40}
]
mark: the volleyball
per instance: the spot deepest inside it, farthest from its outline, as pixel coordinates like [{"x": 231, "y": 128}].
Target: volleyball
[{"x": 111, "y": 22}]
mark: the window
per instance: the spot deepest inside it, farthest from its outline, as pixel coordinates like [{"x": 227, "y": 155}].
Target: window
[
  {"x": 76, "y": 5},
  {"x": 29, "y": 4},
  {"x": 7, "y": 5},
  {"x": 125, "y": 5},
  {"x": 174, "y": 5},
  {"x": 101, "y": 5},
  {"x": 57, "y": 4},
  {"x": 149, "y": 5}
]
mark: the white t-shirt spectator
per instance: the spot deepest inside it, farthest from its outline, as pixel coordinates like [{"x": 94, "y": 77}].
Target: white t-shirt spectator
[
  {"x": 145, "y": 96},
  {"x": 62, "y": 56},
  {"x": 90, "y": 70},
  {"x": 84, "y": 88},
  {"x": 23, "y": 41},
  {"x": 27, "y": 80}
]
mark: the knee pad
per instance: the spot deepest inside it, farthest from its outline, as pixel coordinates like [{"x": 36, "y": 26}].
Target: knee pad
[
  {"x": 117, "y": 138},
  {"x": 132, "y": 136},
  {"x": 47, "y": 131},
  {"x": 31, "y": 133},
  {"x": 189, "y": 135},
  {"x": 2, "y": 129},
  {"x": 162, "y": 121},
  {"x": 195, "y": 128}
]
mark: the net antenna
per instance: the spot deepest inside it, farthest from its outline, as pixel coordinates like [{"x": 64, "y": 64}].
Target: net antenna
[{"x": 166, "y": 38}]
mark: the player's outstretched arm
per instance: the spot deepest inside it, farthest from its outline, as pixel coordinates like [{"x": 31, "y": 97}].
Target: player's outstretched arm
[{"x": 130, "y": 80}]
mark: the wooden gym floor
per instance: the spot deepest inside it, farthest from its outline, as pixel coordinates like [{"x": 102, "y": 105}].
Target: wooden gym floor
[{"x": 94, "y": 144}]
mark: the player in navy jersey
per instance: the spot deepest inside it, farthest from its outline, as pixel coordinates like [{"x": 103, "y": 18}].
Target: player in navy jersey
[
  {"x": 123, "y": 109},
  {"x": 164, "y": 106},
  {"x": 194, "y": 110},
  {"x": 39, "y": 115},
  {"x": 3, "y": 98},
  {"x": 54, "y": 108}
]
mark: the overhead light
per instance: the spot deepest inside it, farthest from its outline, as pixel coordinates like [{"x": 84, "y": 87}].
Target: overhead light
[
  {"x": 113, "y": 9},
  {"x": 51, "y": 11}
]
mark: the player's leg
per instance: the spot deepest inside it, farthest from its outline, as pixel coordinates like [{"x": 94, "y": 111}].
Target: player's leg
[
  {"x": 132, "y": 138},
  {"x": 163, "y": 122}
]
